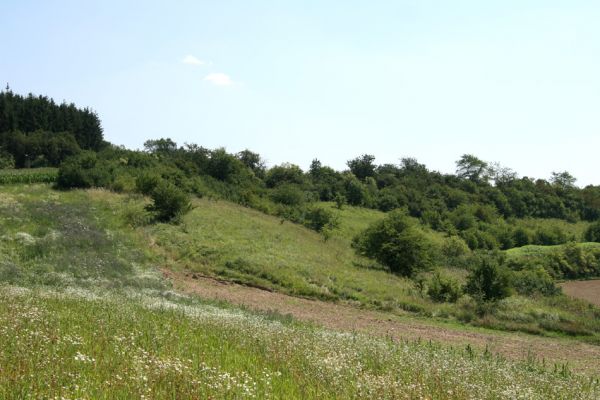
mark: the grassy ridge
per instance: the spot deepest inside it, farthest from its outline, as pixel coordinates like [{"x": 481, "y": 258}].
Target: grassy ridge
[{"x": 224, "y": 239}]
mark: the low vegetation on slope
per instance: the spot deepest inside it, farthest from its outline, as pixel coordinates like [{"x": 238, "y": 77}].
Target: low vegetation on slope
[
  {"x": 81, "y": 345},
  {"x": 62, "y": 238}
]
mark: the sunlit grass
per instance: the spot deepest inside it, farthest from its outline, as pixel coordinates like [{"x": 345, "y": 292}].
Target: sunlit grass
[{"x": 107, "y": 346}]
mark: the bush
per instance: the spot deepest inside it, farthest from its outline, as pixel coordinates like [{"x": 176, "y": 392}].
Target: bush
[
  {"x": 397, "y": 243},
  {"x": 83, "y": 171},
  {"x": 168, "y": 202},
  {"x": 7, "y": 161},
  {"x": 489, "y": 280},
  {"x": 455, "y": 251},
  {"x": 386, "y": 202},
  {"x": 477, "y": 239},
  {"x": 356, "y": 192},
  {"x": 592, "y": 234},
  {"x": 454, "y": 247},
  {"x": 521, "y": 237},
  {"x": 123, "y": 183},
  {"x": 318, "y": 219},
  {"x": 146, "y": 183},
  {"x": 550, "y": 236},
  {"x": 284, "y": 174},
  {"x": 443, "y": 289},
  {"x": 290, "y": 195},
  {"x": 534, "y": 281},
  {"x": 340, "y": 200},
  {"x": 223, "y": 166}
]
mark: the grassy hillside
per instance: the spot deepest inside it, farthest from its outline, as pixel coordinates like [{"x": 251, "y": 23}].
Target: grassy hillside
[
  {"x": 46, "y": 241},
  {"x": 223, "y": 239},
  {"x": 84, "y": 313}
]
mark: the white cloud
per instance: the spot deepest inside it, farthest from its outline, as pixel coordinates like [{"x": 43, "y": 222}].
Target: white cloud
[
  {"x": 191, "y": 60},
  {"x": 219, "y": 79}
]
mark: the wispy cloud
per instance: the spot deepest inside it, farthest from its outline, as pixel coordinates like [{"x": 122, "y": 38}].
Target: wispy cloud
[
  {"x": 219, "y": 79},
  {"x": 191, "y": 60}
]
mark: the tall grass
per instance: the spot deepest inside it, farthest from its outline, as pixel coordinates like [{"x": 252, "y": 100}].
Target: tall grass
[{"x": 78, "y": 345}]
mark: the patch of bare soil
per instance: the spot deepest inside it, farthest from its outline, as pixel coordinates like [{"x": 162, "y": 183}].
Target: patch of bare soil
[
  {"x": 584, "y": 290},
  {"x": 343, "y": 317}
]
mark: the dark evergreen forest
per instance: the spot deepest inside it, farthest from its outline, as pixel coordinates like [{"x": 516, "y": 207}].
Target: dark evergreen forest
[{"x": 35, "y": 131}]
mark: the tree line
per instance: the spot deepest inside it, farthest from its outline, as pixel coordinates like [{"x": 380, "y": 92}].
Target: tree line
[{"x": 481, "y": 202}]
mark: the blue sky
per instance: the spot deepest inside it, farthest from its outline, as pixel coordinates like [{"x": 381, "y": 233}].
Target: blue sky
[{"x": 517, "y": 82}]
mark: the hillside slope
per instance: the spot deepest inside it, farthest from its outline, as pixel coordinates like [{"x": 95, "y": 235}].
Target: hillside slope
[{"x": 85, "y": 313}]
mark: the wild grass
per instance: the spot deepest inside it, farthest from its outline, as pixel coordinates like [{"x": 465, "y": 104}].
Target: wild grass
[
  {"x": 61, "y": 345},
  {"x": 57, "y": 239},
  {"x": 244, "y": 245}
]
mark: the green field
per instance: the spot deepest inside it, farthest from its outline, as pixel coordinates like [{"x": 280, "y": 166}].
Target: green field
[{"x": 25, "y": 175}]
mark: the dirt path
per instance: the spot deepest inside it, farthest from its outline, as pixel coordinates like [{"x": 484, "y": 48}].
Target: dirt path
[
  {"x": 584, "y": 290},
  {"x": 577, "y": 355}
]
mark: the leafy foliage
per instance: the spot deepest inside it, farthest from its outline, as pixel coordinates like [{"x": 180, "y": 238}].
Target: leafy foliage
[
  {"x": 319, "y": 219},
  {"x": 534, "y": 281},
  {"x": 398, "y": 243},
  {"x": 592, "y": 234},
  {"x": 489, "y": 280},
  {"x": 168, "y": 202},
  {"x": 443, "y": 289},
  {"x": 83, "y": 171}
]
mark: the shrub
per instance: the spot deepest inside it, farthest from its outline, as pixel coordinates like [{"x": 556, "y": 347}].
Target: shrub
[
  {"x": 521, "y": 237},
  {"x": 123, "y": 183},
  {"x": 356, "y": 192},
  {"x": 318, "y": 219},
  {"x": 397, "y": 243},
  {"x": 340, "y": 200},
  {"x": 284, "y": 174},
  {"x": 169, "y": 203},
  {"x": 592, "y": 234},
  {"x": 489, "y": 280},
  {"x": 386, "y": 202},
  {"x": 534, "y": 281},
  {"x": 463, "y": 218},
  {"x": 454, "y": 247},
  {"x": 477, "y": 239},
  {"x": 146, "y": 183},
  {"x": 455, "y": 251},
  {"x": 135, "y": 215},
  {"x": 7, "y": 161},
  {"x": 83, "y": 171},
  {"x": 223, "y": 166},
  {"x": 443, "y": 289},
  {"x": 290, "y": 195},
  {"x": 550, "y": 236}
]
